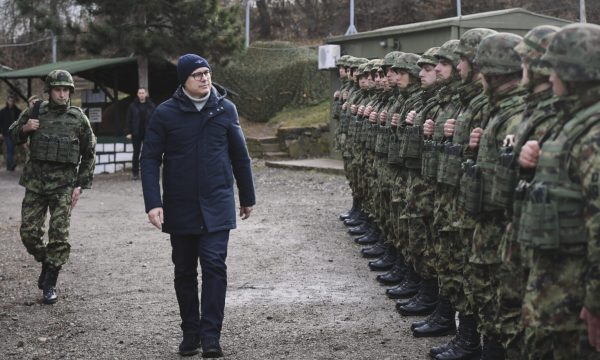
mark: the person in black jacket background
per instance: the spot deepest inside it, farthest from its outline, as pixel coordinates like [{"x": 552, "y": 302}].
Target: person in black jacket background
[
  {"x": 196, "y": 136},
  {"x": 9, "y": 115},
  {"x": 138, "y": 115}
]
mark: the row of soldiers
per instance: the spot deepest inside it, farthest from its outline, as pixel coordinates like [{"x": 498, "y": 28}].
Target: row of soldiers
[{"x": 474, "y": 171}]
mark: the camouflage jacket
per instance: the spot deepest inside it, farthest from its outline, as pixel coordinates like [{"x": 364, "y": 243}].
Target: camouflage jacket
[{"x": 53, "y": 177}]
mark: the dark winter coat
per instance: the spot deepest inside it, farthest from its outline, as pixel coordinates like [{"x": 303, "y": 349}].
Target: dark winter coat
[
  {"x": 138, "y": 116},
  {"x": 7, "y": 117},
  {"x": 202, "y": 152}
]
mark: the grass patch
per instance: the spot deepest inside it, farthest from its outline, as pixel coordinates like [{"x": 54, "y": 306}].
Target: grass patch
[{"x": 302, "y": 116}]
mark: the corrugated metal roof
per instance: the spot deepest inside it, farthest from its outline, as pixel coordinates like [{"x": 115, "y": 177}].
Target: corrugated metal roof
[
  {"x": 440, "y": 23},
  {"x": 73, "y": 67}
]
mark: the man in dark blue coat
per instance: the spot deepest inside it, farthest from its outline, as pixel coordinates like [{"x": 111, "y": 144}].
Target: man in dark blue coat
[{"x": 196, "y": 135}]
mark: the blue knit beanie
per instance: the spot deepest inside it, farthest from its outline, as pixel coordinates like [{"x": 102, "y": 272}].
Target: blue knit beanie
[{"x": 187, "y": 64}]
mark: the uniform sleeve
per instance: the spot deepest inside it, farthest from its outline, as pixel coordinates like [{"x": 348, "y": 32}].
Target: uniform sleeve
[
  {"x": 589, "y": 173},
  {"x": 151, "y": 160},
  {"x": 240, "y": 162},
  {"x": 87, "y": 150},
  {"x": 15, "y": 128}
]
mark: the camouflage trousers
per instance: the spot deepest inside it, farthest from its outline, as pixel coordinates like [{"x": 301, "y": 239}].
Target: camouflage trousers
[
  {"x": 481, "y": 284},
  {"x": 542, "y": 344},
  {"x": 420, "y": 254},
  {"x": 512, "y": 277},
  {"x": 398, "y": 199},
  {"x": 347, "y": 172},
  {"x": 33, "y": 216},
  {"x": 368, "y": 185}
]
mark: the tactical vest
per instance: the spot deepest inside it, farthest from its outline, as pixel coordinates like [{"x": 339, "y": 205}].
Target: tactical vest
[
  {"x": 553, "y": 213},
  {"x": 461, "y": 137},
  {"x": 57, "y": 138},
  {"x": 382, "y": 141},
  {"x": 446, "y": 148},
  {"x": 505, "y": 172},
  {"x": 489, "y": 155},
  {"x": 431, "y": 152},
  {"x": 394, "y": 147},
  {"x": 371, "y": 136}
]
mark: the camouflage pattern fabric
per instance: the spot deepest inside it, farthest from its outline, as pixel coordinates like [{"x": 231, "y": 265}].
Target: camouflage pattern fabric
[
  {"x": 557, "y": 345},
  {"x": 33, "y": 215}
]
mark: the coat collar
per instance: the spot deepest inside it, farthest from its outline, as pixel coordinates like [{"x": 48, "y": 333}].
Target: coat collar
[{"x": 217, "y": 94}]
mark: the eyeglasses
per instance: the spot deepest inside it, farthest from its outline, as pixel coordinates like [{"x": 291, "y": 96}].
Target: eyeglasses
[{"x": 201, "y": 74}]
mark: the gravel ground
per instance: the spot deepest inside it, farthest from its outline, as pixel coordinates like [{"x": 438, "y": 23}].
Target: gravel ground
[{"x": 298, "y": 288}]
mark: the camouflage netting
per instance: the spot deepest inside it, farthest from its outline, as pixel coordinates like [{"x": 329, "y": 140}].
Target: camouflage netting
[{"x": 271, "y": 75}]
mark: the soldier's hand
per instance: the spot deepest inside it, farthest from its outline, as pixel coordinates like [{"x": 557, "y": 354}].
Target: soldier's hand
[
  {"x": 353, "y": 109},
  {"x": 449, "y": 127},
  {"x": 593, "y": 327},
  {"x": 345, "y": 106},
  {"x": 428, "y": 127},
  {"x": 368, "y": 110},
  {"x": 475, "y": 138},
  {"x": 31, "y": 125},
  {"x": 530, "y": 154},
  {"x": 395, "y": 119},
  {"x": 336, "y": 94},
  {"x": 383, "y": 117},
  {"x": 345, "y": 95},
  {"x": 75, "y": 196},
  {"x": 373, "y": 117},
  {"x": 410, "y": 117},
  {"x": 361, "y": 110},
  {"x": 156, "y": 217}
]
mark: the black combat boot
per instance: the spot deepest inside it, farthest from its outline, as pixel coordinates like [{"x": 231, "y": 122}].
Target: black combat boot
[
  {"x": 374, "y": 251},
  {"x": 49, "y": 291},
  {"x": 361, "y": 229},
  {"x": 371, "y": 237},
  {"x": 352, "y": 210},
  {"x": 441, "y": 324},
  {"x": 407, "y": 288},
  {"x": 425, "y": 301},
  {"x": 396, "y": 274},
  {"x": 386, "y": 261},
  {"x": 356, "y": 220},
  {"x": 42, "y": 276},
  {"x": 464, "y": 346},
  {"x": 492, "y": 349}
]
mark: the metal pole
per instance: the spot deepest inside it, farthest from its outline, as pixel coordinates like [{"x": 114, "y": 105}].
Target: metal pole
[
  {"x": 247, "y": 41},
  {"x": 458, "y": 8},
  {"x": 53, "y": 46},
  {"x": 582, "y": 17},
  {"x": 351, "y": 29}
]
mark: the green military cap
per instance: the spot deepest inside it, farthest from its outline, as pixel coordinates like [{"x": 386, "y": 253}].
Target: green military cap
[
  {"x": 470, "y": 40},
  {"x": 574, "y": 52},
  {"x": 428, "y": 57},
  {"x": 534, "y": 45},
  {"x": 496, "y": 54},
  {"x": 446, "y": 52}
]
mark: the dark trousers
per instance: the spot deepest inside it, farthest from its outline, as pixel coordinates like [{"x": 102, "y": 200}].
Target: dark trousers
[
  {"x": 136, "y": 141},
  {"x": 10, "y": 152},
  {"x": 211, "y": 249}
]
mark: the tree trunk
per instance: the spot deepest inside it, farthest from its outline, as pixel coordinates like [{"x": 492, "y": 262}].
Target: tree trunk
[
  {"x": 264, "y": 19},
  {"x": 142, "y": 62}
]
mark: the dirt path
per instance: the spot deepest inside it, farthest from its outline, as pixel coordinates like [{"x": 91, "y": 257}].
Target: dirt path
[{"x": 298, "y": 288}]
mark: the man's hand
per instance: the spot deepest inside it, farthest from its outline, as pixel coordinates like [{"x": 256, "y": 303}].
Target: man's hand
[
  {"x": 368, "y": 110},
  {"x": 373, "y": 117},
  {"x": 593, "y": 327},
  {"x": 336, "y": 94},
  {"x": 475, "y": 138},
  {"x": 449, "y": 127},
  {"x": 383, "y": 117},
  {"x": 428, "y": 127},
  {"x": 410, "y": 117},
  {"x": 31, "y": 125},
  {"x": 345, "y": 95},
  {"x": 530, "y": 153},
  {"x": 395, "y": 119},
  {"x": 75, "y": 196},
  {"x": 128, "y": 136},
  {"x": 156, "y": 217},
  {"x": 345, "y": 106},
  {"x": 353, "y": 109},
  {"x": 245, "y": 212},
  {"x": 361, "y": 110}
]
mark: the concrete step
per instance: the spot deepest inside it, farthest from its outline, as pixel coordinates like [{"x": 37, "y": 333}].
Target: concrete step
[
  {"x": 326, "y": 165},
  {"x": 270, "y": 147},
  {"x": 268, "y": 140},
  {"x": 279, "y": 155}
]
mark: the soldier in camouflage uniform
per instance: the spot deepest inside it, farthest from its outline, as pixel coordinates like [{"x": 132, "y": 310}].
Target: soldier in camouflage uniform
[
  {"x": 539, "y": 116},
  {"x": 500, "y": 65},
  {"x": 61, "y": 164},
  {"x": 561, "y": 214},
  {"x": 466, "y": 344}
]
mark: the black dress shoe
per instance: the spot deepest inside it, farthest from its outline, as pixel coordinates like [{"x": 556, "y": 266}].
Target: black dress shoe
[
  {"x": 211, "y": 348},
  {"x": 190, "y": 345},
  {"x": 424, "y": 302},
  {"x": 392, "y": 277},
  {"x": 375, "y": 251},
  {"x": 360, "y": 229}
]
